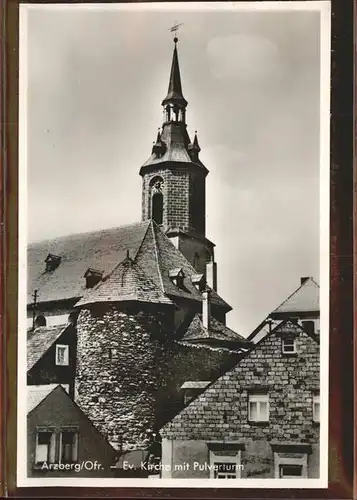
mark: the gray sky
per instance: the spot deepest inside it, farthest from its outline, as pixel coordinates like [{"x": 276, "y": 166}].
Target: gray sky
[{"x": 95, "y": 84}]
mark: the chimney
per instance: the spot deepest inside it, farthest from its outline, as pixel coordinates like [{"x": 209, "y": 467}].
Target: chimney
[
  {"x": 211, "y": 275},
  {"x": 304, "y": 279},
  {"x": 206, "y": 307}
]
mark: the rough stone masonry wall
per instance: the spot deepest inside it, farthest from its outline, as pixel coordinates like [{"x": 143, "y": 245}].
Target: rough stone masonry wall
[
  {"x": 121, "y": 355},
  {"x": 221, "y": 412}
]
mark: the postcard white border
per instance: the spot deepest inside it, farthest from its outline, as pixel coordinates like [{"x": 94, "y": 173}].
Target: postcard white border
[{"x": 324, "y": 7}]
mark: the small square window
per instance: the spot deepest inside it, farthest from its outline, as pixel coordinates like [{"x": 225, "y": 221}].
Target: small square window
[
  {"x": 258, "y": 408},
  {"x": 288, "y": 345},
  {"x": 62, "y": 355},
  {"x": 225, "y": 470},
  {"x": 290, "y": 471},
  {"x": 316, "y": 407}
]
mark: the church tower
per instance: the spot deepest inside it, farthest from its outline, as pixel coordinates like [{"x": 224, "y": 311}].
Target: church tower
[{"x": 174, "y": 182}]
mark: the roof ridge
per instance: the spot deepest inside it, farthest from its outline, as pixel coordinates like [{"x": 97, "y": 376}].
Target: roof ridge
[{"x": 94, "y": 231}]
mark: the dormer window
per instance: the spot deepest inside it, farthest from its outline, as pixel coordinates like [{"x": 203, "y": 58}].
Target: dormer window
[
  {"x": 198, "y": 280},
  {"x": 93, "y": 277},
  {"x": 177, "y": 276},
  {"x": 52, "y": 262}
]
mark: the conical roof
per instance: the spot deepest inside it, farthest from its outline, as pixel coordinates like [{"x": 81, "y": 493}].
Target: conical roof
[{"x": 127, "y": 282}]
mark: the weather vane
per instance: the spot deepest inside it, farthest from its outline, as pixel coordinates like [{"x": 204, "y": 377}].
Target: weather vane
[{"x": 174, "y": 29}]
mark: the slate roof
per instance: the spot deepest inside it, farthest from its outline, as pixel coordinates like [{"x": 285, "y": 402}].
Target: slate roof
[
  {"x": 306, "y": 298},
  {"x": 174, "y": 92},
  {"x": 101, "y": 250},
  {"x": 217, "y": 331},
  {"x": 37, "y": 393},
  {"x": 127, "y": 282},
  {"x": 148, "y": 247},
  {"x": 176, "y": 140},
  {"x": 41, "y": 340},
  {"x": 204, "y": 417}
]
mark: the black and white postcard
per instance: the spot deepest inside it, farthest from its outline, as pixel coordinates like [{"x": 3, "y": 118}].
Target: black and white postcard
[{"x": 174, "y": 245}]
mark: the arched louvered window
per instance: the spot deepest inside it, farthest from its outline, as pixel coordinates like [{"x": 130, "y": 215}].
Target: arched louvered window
[{"x": 157, "y": 207}]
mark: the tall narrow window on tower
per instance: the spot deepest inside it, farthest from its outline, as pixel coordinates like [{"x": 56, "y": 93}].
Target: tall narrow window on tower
[
  {"x": 157, "y": 200},
  {"x": 157, "y": 207}
]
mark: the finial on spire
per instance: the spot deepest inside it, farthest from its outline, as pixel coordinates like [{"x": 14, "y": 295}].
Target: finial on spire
[{"x": 174, "y": 29}]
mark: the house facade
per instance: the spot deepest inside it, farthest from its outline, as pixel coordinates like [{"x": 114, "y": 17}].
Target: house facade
[
  {"x": 61, "y": 439},
  {"x": 258, "y": 420}
]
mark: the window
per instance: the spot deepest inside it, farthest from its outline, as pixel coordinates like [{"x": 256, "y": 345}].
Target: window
[
  {"x": 45, "y": 447},
  {"x": 290, "y": 471},
  {"x": 62, "y": 357},
  {"x": 316, "y": 407},
  {"x": 157, "y": 208},
  {"x": 258, "y": 408},
  {"x": 288, "y": 345},
  {"x": 225, "y": 470},
  {"x": 226, "y": 460},
  {"x": 290, "y": 463},
  {"x": 308, "y": 326},
  {"x": 68, "y": 447}
]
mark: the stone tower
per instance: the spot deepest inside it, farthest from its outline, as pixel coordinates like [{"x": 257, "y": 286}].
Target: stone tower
[
  {"x": 124, "y": 328},
  {"x": 174, "y": 182}
]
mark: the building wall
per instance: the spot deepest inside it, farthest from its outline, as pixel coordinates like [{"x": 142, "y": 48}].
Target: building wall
[
  {"x": 191, "y": 459},
  {"x": 56, "y": 412},
  {"x": 122, "y": 358},
  {"x": 184, "y": 198},
  {"x": 45, "y": 371},
  {"x": 221, "y": 412}
]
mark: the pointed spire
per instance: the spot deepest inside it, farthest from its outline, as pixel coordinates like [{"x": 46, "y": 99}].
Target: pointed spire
[
  {"x": 195, "y": 143},
  {"x": 158, "y": 147},
  {"x": 174, "y": 93}
]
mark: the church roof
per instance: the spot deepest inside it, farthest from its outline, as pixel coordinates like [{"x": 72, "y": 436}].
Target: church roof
[
  {"x": 127, "y": 282},
  {"x": 176, "y": 139},
  {"x": 148, "y": 246},
  {"x": 174, "y": 93},
  {"x": 41, "y": 340},
  {"x": 306, "y": 298},
  {"x": 196, "y": 332}
]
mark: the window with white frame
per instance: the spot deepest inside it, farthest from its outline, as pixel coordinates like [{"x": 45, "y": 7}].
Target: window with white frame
[
  {"x": 290, "y": 471},
  {"x": 56, "y": 445},
  {"x": 45, "y": 447},
  {"x": 62, "y": 355},
  {"x": 288, "y": 345},
  {"x": 316, "y": 407},
  {"x": 258, "y": 407},
  {"x": 225, "y": 463},
  {"x": 68, "y": 446},
  {"x": 288, "y": 465}
]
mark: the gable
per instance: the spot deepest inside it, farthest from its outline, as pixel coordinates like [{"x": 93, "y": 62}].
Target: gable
[
  {"x": 305, "y": 299},
  {"x": 221, "y": 410},
  {"x": 41, "y": 340}
]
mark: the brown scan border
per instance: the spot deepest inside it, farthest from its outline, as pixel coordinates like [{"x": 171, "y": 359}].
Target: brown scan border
[{"x": 342, "y": 271}]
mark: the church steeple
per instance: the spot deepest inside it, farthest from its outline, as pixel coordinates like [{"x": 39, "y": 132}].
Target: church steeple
[
  {"x": 174, "y": 93},
  {"x": 174, "y": 190}
]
